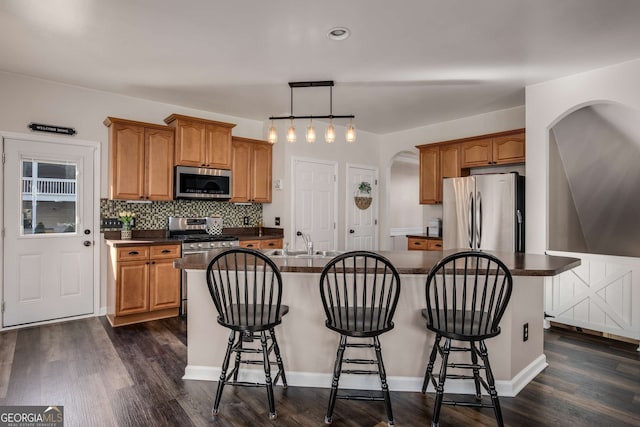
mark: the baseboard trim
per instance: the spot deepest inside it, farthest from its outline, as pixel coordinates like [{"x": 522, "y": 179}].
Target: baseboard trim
[{"x": 311, "y": 379}]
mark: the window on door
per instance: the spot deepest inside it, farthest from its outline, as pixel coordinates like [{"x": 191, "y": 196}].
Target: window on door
[{"x": 49, "y": 198}]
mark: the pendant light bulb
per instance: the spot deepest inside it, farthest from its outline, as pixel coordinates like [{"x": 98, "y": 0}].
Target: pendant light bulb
[
  {"x": 351, "y": 132},
  {"x": 291, "y": 133},
  {"x": 311, "y": 133},
  {"x": 330, "y": 134},
  {"x": 273, "y": 134}
]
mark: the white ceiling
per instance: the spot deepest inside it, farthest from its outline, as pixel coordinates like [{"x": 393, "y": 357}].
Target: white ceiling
[{"x": 407, "y": 63}]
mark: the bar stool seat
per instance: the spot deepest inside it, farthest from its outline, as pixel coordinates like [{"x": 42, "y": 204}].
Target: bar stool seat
[
  {"x": 467, "y": 294},
  {"x": 246, "y": 288},
  {"x": 359, "y": 293}
]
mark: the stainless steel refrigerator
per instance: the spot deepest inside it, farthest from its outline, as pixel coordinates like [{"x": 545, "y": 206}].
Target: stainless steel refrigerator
[{"x": 484, "y": 212}]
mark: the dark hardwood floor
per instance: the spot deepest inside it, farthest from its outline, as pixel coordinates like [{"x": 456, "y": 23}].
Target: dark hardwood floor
[{"x": 131, "y": 376}]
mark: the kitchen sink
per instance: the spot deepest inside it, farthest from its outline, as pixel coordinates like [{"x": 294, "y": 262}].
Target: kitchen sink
[{"x": 280, "y": 253}]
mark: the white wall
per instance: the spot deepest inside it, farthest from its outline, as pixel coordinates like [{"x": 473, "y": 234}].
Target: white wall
[
  {"x": 549, "y": 102},
  {"x": 392, "y": 144},
  {"x": 26, "y": 100}
]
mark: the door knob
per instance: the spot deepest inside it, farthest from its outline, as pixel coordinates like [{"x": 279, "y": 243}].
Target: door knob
[
  {"x": 351, "y": 231},
  {"x": 87, "y": 243}
]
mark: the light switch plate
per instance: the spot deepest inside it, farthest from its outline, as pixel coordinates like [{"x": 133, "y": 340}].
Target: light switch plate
[{"x": 277, "y": 184}]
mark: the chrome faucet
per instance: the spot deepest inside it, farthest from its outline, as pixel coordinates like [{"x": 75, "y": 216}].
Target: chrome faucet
[{"x": 307, "y": 242}]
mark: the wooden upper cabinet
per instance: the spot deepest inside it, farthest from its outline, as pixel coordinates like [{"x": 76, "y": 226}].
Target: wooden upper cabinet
[
  {"x": 509, "y": 148},
  {"x": 201, "y": 142},
  {"x": 496, "y": 149},
  {"x": 140, "y": 160},
  {"x": 251, "y": 166},
  {"x": 159, "y": 164},
  {"x": 478, "y": 152},
  {"x": 429, "y": 174},
  {"x": 261, "y": 161}
]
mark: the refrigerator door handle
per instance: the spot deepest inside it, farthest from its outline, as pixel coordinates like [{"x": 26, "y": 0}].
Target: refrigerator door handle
[
  {"x": 470, "y": 226},
  {"x": 479, "y": 221}
]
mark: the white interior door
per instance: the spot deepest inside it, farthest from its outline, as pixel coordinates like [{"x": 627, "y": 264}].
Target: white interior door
[
  {"x": 362, "y": 222},
  {"x": 314, "y": 204},
  {"x": 48, "y": 210}
]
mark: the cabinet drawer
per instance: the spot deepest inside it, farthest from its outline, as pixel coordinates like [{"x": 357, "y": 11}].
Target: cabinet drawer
[
  {"x": 417, "y": 244},
  {"x": 271, "y": 244},
  {"x": 434, "y": 245},
  {"x": 251, "y": 244},
  {"x": 165, "y": 251},
  {"x": 133, "y": 253}
]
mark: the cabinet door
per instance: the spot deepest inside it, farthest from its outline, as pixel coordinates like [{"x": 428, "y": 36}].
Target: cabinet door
[
  {"x": 261, "y": 173},
  {"x": 477, "y": 153},
  {"x": 190, "y": 143},
  {"x": 429, "y": 174},
  {"x": 509, "y": 149},
  {"x": 449, "y": 164},
  {"x": 218, "y": 147},
  {"x": 164, "y": 285},
  {"x": 132, "y": 287},
  {"x": 159, "y": 147},
  {"x": 127, "y": 161},
  {"x": 241, "y": 155}
]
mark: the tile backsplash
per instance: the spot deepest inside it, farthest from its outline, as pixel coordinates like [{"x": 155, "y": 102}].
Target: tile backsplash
[{"x": 153, "y": 216}]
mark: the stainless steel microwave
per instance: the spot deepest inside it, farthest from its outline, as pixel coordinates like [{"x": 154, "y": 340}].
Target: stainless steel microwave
[{"x": 202, "y": 183}]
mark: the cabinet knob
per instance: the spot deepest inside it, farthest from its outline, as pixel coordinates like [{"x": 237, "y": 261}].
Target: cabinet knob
[
  {"x": 165, "y": 251},
  {"x": 134, "y": 253}
]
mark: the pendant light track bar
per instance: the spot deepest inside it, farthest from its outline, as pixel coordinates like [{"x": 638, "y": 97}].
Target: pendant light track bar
[
  {"x": 311, "y": 84},
  {"x": 350, "y": 116}
]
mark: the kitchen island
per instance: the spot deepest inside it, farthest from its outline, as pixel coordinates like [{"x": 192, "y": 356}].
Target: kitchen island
[{"x": 308, "y": 347}]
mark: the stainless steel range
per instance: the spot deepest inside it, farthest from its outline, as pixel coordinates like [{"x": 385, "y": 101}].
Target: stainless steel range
[{"x": 198, "y": 235}]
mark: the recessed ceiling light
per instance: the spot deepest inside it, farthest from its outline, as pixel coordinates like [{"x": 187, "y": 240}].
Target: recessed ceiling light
[{"x": 338, "y": 33}]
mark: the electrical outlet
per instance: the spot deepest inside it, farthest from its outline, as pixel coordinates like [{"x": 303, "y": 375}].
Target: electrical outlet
[
  {"x": 245, "y": 220},
  {"x": 277, "y": 220},
  {"x": 525, "y": 332}
]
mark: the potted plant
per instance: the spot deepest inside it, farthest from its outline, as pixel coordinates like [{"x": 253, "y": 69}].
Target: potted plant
[
  {"x": 126, "y": 218},
  {"x": 363, "y": 195}
]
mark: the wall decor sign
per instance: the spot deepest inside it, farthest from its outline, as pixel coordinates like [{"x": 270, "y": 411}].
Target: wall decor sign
[{"x": 39, "y": 127}]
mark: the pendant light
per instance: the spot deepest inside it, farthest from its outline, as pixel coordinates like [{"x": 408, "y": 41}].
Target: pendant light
[
  {"x": 273, "y": 134},
  {"x": 291, "y": 133},
  {"x": 330, "y": 134},
  {"x": 350, "y": 135},
  {"x": 311, "y": 133}
]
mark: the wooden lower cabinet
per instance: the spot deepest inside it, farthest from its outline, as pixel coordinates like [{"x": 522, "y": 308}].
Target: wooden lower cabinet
[
  {"x": 142, "y": 284},
  {"x": 423, "y": 244},
  {"x": 262, "y": 244}
]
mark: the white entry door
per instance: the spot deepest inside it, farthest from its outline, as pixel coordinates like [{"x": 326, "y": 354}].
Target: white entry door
[
  {"x": 48, "y": 215},
  {"x": 362, "y": 220},
  {"x": 314, "y": 204}
]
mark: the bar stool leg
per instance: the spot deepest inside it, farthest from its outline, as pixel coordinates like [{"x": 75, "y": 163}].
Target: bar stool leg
[
  {"x": 432, "y": 359},
  {"x": 276, "y": 349},
  {"x": 383, "y": 380},
  {"x": 223, "y": 373},
  {"x": 476, "y": 371},
  {"x": 441, "y": 380},
  {"x": 267, "y": 376},
  {"x": 492, "y": 384},
  {"x": 337, "y": 368},
  {"x": 236, "y": 366}
]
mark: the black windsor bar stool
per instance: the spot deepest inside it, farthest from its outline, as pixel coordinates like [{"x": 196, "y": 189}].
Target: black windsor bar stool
[
  {"x": 466, "y": 306},
  {"x": 246, "y": 288},
  {"x": 359, "y": 293}
]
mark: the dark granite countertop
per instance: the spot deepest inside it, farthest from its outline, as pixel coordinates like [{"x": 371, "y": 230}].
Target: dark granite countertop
[
  {"x": 424, "y": 236},
  {"x": 409, "y": 262},
  {"x": 159, "y": 237}
]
